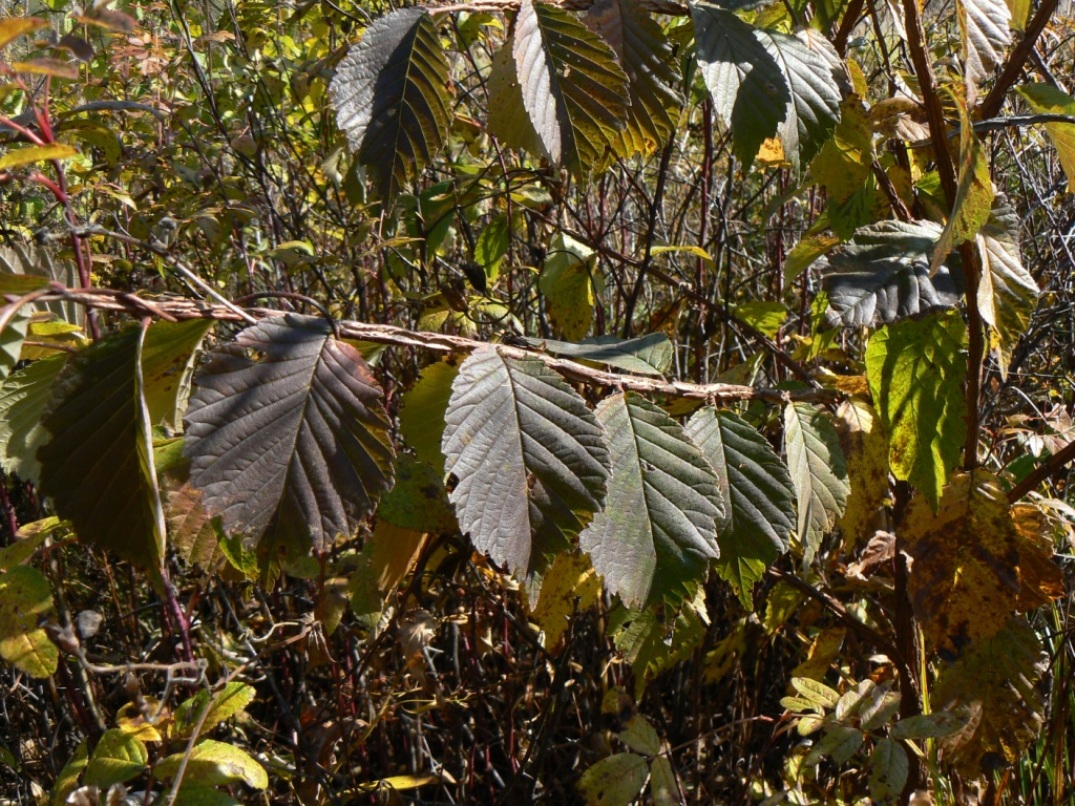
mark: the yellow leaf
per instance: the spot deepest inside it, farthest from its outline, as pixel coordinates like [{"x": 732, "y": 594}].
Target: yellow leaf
[
  {"x": 570, "y": 587},
  {"x": 771, "y": 154},
  {"x": 31, "y": 154},
  {"x": 867, "y": 464},
  {"x": 14, "y": 27},
  {"x": 823, "y": 651}
]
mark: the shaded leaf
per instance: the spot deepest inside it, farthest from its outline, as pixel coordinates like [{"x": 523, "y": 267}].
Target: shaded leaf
[
  {"x": 652, "y": 644},
  {"x": 23, "y": 396},
  {"x": 615, "y": 780},
  {"x": 662, "y": 782},
  {"x": 889, "y": 768},
  {"x": 972, "y": 568},
  {"x": 97, "y": 466},
  {"x": 570, "y": 286},
  {"x": 118, "y": 757},
  {"x": 647, "y": 59},
  {"x": 1047, "y": 99},
  {"x": 25, "y": 602},
  {"x": 928, "y": 726},
  {"x": 28, "y": 539},
  {"x": 816, "y": 692},
  {"x": 421, "y": 417},
  {"x": 758, "y": 495},
  {"x": 214, "y": 764},
  {"x": 529, "y": 458},
  {"x": 391, "y": 97},
  {"x": 645, "y": 355},
  {"x": 1007, "y": 293},
  {"x": 882, "y": 274},
  {"x": 639, "y": 735},
  {"x": 13, "y": 326},
  {"x": 765, "y": 84},
  {"x": 67, "y": 780},
  {"x": 393, "y": 553},
  {"x": 288, "y": 438},
  {"x": 574, "y": 91},
  {"x": 994, "y": 684},
  {"x": 818, "y": 470},
  {"x": 915, "y": 370},
  {"x": 655, "y": 537},
  {"x": 839, "y": 743},
  {"x": 844, "y": 167},
  {"x": 983, "y": 25}
]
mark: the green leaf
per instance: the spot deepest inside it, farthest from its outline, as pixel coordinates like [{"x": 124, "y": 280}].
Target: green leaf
[
  {"x": 28, "y": 540},
  {"x": 652, "y": 644},
  {"x": 839, "y": 743},
  {"x": 226, "y": 703},
  {"x": 915, "y": 370},
  {"x": 647, "y": 58},
  {"x": 168, "y": 365},
  {"x": 615, "y": 780},
  {"x": 25, "y": 601},
  {"x": 974, "y": 191},
  {"x": 1007, "y": 294},
  {"x": 889, "y": 768},
  {"x": 639, "y": 735},
  {"x": 118, "y": 757},
  {"x": 1047, "y": 99},
  {"x": 97, "y": 467},
  {"x": 492, "y": 245},
  {"x": 570, "y": 286},
  {"x": 758, "y": 494},
  {"x": 662, "y": 782},
  {"x": 13, "y": 327},
  {"x": 984, "y": 26},
  {"x": 653, "y": 541},
  {"x": 391, "y": 97},
  {"x": 883, "y": 275},
  {"x": 816, "y": 692},
  {"x": 67, "y": 780},
  {"x": 288, "y": 438},
  {"x": 928, "y": 726},
  {"x": 764, "y": 316},
  {"x": 574, "y": 92},
  {"x": 23, "y": 396},
  {"x": 214, "y": 764},
  {"x": 417, "y": 501},
  {"x": 529, "y": 458},
  {"x": 766, "y": 84},
  {"x": 508, "y": 119},
  {"x": 421, "y": 417},
  {"x": 645, "y": 355},
  {"x": 819, "y": 471},
  {"x": 844, "y": 167}
]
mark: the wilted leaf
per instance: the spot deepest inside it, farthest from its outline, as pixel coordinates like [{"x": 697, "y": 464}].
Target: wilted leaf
[
  {"x": 1047, "y": 99},
  {"x": 758, "y": 495},
  {"x": 645, "y": 355},
  {"x": 615, "y": 780},
  {"x": 889, "y": 768},
  {"x": 288, "y": 437},
  {"x": 421, "y": 417},
  {"x": 765, "y": 84},
  {"x": 97, "y": 467},
  {"x": 995, "y": 683},
  {"x": 1007, "y": 293},
  {"x": 570, "y": 587},
  {"x": 570, "y": 286},
  {"x": 574, "y": 91},
  {"x": 224, "y": 704},
  {"x": 882, "y": 274},
  {"x": 864, "y": 445},
  {"x": 916, "y": 370},
  {"x": 984, "y": 28},
  {"x": 391, "y": 96},
  {"x": 118, "y": 757},
  {"x": 393, "y": 553},
  {"x": 23, "y": 396},
  {"x": 529, "y": 457},
  {"x": 818, "y": 470},
  {"x": 823, "y": 651},
  {"x": 647, "y": 58},
  {"x": 972, "y": 568},
  {"x": 214, "y": 764},
  {"x": 194, "y": 534},
  {"x": 655, "y": 537},
  {"x": 25, "y": 601}
]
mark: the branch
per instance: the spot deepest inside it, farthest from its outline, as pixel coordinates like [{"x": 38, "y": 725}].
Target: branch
[
  {"x": 184, "y": 308},
  {"x": 1020, "y": 53},
  {"x": 1053, "y": 464}
]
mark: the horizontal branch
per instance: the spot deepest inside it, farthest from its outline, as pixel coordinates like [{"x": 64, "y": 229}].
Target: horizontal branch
[
  {"x": 185, "y": 308},
  {"x": 1054, "y": 464}
]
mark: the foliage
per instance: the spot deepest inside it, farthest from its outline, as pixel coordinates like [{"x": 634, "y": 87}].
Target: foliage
[{"x": 672, "y": 401}]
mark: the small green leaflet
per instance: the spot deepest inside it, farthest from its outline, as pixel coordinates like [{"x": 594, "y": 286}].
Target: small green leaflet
[
  {"x": 915, "y": 370},
  {"x": 653, "y": 541}
]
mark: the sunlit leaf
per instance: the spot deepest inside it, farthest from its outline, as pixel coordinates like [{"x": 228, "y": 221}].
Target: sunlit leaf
[
  {"x": 758, "y": 495},
  {"x": 14, "y": 27},
  {"x": 986, "y": 35},
  {"x": 25, "y": 602},
  {"x": 167, "y": 367},
  {"x": 391, "y": 96},
  {"x": 214, "y": 763},
  {"x": 210, "y": 709},
  {"x": 1047, "y": 99},
  {"x": 844, "y": 167},
  {"x": 193, "y": 533},
  {"x": 508, "y": 119},
  {"x": 882, "y": 274},
  {"x": 529, "y": 459},
  {"x": 570, "y": 587},
  {"x": 916, "y": 370},
  {"x": 574, "y": 91},
  {"x": 27, "y": 155},
  {"x": 765, "y": 84},
  {"x": 118, "y": 757},
  {"x": 570, "y": 286},
  {"x": 615, "y": 780},
  {"x": 972, "y": 567},
  {"x": 97, "y": 464},
  {"x": 1007, "y": 293},
  {"x": 421, "y": 418},
  {"x": 864, "y": 445},
  {"x": 994, "y": 685},
  {"x": 417, "y": 501},
  {"x": 657, "y": 534},
  {"x": 288, "y": 438},
  {"x": 818, "y": 470}
]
